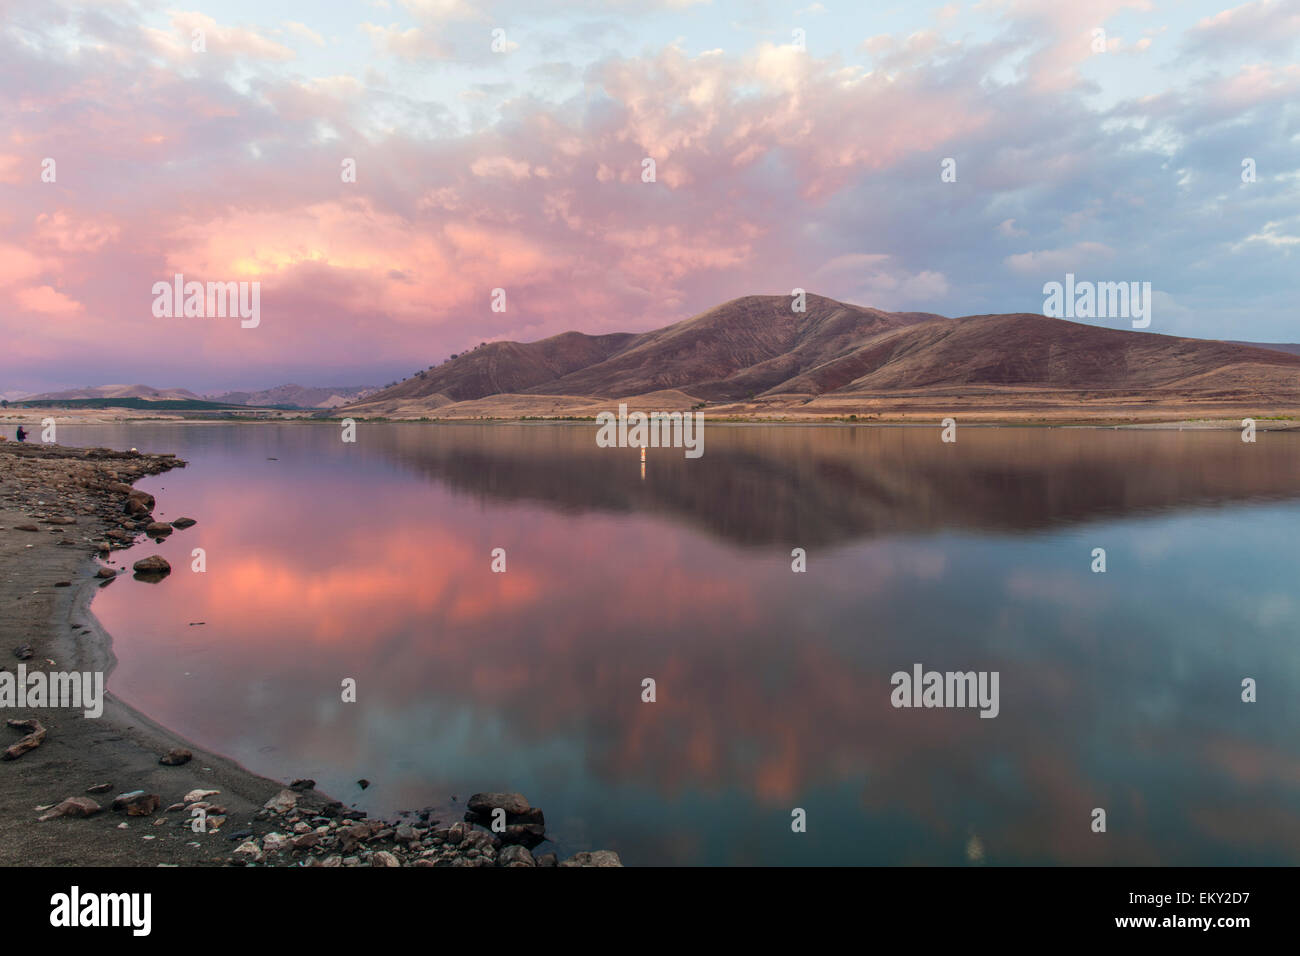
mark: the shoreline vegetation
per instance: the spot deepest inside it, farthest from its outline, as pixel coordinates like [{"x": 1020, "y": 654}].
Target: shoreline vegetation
[{"x": 121, "y": 790}]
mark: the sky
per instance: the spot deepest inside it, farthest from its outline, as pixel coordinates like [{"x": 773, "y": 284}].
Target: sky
[{"x": 504, "y": 145}]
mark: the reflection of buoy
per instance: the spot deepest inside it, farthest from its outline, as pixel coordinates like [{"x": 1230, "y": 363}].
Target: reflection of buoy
[{"x": 643, "y": 453}]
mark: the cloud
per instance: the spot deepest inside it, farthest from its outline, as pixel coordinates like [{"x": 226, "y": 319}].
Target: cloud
[
  {"x": 304, "y": 31},
  {"x": 44, "y": 300},
  {"x": 1069, "y": 259},
  {"x": 1265, "y": 26},
  {"x": 875, "y": 279},
  {"x": 217, "y": 41},
  {"x": 775, "y": 168}
]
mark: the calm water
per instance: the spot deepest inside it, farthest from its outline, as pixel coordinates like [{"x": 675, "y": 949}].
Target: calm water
[{"x": 372, "y": 561}]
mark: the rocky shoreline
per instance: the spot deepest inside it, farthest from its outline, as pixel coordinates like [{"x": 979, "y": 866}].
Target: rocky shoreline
[{"x": 119, "y": 789}]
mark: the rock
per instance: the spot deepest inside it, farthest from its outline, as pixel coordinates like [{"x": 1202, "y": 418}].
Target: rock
[
  {"x": 73, "y": 807},
  {"x": 547, "y": 859},
  {"x": 34, "y": 738},
  {"x": 305, "y": 841},
  {"x": 106, "y": 573},
  {"x": 175, "y": 757},
  {"x": 303, "y": 783},
  {"x": 274, "y": 842},
  {"x": 524, "y": 834},
  {"x": 248, "y": 852},
  {"x": 282, "y": 802},
  {"x": 514, "y": 804},
  {"x": 138, "y": 503},
  {"x": 24, "y": 652},
  {"x": 194, "y": 796},
  {"x": 154, "y": 564},
  {"x": 158, "y": 529},
  {"x": 405, "y": 833},
  {"x": 351, "y": 836},
  {"x": 594, "y": 858},
  {"x": 61, "y": 519},
  {"x": 26, "y": 527},
  {"x": 100, "y": 788},
  {"x": 184, "y": 523},
  {"x": 363, "y": 783},
  {"x": 383, "y": 858},
  {"x": 137, "y": 803},
  {"x": 479, "y": 840},
  {"x": 515, "y": 856}
]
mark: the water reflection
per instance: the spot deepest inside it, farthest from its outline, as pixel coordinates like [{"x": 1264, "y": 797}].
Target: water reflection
[{"x": 373, "y": 561}]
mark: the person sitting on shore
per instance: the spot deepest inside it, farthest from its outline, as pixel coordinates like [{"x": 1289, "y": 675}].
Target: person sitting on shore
[{"x": 22, "y": 433}]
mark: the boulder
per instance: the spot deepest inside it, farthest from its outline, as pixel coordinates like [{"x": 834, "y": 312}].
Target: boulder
[
  {"x": 138, "y": 503},
  {"x": 523, "y": 834},
  {"x": 351, "y": 836},
  {"x": 175, "y": 757},
  {"x": 479, "y": 807},
  {"x": 515, "y": 856},
  {"x": 282, "y": 802},
  {"x": 248, "y": 852},
  {"x": 35, "y": 737},
  {"x": 184, "y": 523},
  {"x": 154, "y": 564},
  {"x": 73, "y": 807},
  {"x": 158, "y": 529},
  {"x": 137, "y": 803}
]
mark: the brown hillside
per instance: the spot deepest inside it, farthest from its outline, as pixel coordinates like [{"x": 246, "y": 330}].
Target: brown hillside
[
  {"x": 754, "y": 356},
  {"x": 736, "y": 350},
  {"x": 507, "y": 367},
  {"x": 1032, "y": 350}
]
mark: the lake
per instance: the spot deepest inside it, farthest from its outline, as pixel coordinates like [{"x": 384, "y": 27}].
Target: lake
[{"x": 373, "y": 561}]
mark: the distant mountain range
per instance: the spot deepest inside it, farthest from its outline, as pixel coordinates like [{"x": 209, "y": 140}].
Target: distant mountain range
[
  {"x": 755, "y": 354},
  {"x": 298, "y": 396},
  {"x": 115, "y": 391},
  {"x": 293, "y": 396}
]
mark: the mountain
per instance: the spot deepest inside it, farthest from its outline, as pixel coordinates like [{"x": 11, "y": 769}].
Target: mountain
[
  {"x": 146, "y": 392},
  {"x": 298, "y": 396},
  {"x": 730, "y": 352},
  {"x": 754, "y": 355},
  {"x": 1292, "y": 347}
]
